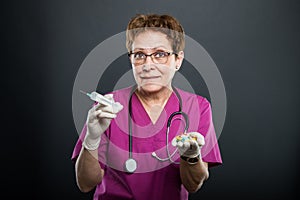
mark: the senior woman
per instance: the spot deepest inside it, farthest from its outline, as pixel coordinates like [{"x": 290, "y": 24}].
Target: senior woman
[{"x": 157, "y": 141}]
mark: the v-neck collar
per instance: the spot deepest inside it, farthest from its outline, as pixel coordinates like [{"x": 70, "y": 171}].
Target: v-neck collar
[{"x": 166, "y": 110}]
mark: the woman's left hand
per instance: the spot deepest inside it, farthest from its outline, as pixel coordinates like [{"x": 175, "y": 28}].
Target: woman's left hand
[{"x": 189, "y": 144}]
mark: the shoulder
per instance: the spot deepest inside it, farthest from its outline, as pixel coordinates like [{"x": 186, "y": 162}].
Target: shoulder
[{"x": 188, "y": 96}]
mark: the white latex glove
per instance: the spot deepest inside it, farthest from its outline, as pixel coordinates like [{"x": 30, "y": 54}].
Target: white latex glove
[
  {"x": 189, "y": 144},
  {"x": 98, "y": 120}
]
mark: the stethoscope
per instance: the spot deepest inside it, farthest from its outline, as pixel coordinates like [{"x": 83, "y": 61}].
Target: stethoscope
[{"x": 131, "y": 164}]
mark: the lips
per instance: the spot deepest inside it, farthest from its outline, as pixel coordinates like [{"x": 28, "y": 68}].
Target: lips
[{"x": 149, "y": 77}]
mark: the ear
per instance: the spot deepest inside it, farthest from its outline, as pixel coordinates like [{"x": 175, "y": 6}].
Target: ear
[{"x": 179, "y": 60}]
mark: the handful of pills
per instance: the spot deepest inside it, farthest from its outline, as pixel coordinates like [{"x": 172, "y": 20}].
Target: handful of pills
[{"x": 183, "y": 138}]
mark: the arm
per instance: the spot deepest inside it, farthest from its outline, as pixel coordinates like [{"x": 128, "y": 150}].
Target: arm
[
  {"x": 193, "y": 171},
  {"x": 88, "y": 170},
  {"x": 193, "y": 175}
]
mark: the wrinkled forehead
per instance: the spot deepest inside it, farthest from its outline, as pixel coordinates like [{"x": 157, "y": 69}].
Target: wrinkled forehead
[
  {"x": 136, "y": 31},
  {"x": 151, "y": 40},
  {"x": 168, "y": 33}
]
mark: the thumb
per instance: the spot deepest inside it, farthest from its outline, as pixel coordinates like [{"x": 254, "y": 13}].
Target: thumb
[
  {"x": 199, "y": 138},
  {"x": 117, "y": 107},
  {"x": 110, "y": 96}
]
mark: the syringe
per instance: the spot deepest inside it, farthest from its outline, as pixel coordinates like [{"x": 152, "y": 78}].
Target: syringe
[{"x": 100, "y": 99}]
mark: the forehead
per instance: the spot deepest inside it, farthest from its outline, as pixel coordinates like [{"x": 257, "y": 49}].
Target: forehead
[{"x": 151, "y": 40}]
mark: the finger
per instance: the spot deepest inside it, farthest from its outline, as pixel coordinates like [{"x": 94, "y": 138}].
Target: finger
[
  {"x": 96, "y": 113},
  {"x": 186, "y": 144},
  {"x": 193, "y": 144},
  {"x": 107, "y": 115},
  {"x": 91, "y": 112},
  {"x": 179, "y": 144},
  {"x": 117, "y": 107},
  {"x": 194, "y": 134},
  {"x": 109, "y": 96},
  {"x": 200, "y": 139},
  {"x": 99, "y": 106},
  {"x": 174, "y": 142},
  {"x": 114, "y": 109},
  {"x": 108, "y": 109},
  {"x": 93, "y": 115}
]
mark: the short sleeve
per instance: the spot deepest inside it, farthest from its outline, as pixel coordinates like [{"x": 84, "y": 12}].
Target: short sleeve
[{"x": 210, "y": 151}]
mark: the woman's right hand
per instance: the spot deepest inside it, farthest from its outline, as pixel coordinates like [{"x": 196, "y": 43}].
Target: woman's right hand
[{"x": 98, "y": 120}]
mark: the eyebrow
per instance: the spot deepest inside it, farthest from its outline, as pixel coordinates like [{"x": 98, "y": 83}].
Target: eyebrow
[{"x": 155, "y": 48}]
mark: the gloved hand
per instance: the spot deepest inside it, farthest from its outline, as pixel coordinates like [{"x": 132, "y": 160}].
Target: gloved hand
[
  {"x": 189, "y": 144},
  {"x": 98, "y": 120}
]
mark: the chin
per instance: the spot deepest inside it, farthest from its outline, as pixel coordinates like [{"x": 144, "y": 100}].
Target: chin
[{"x": 152, "y": 87}]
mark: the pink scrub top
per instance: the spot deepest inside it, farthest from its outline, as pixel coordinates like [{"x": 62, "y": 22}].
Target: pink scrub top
[{"x": 153, "y": 179}]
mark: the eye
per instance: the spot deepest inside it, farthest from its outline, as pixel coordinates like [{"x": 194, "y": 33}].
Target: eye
[
  {"x": 139, "y": 55},
  {"x": 160, "y": 54}
]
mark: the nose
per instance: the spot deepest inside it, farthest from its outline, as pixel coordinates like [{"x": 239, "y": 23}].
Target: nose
[
  {"x": 146, "y": 66},
  {"x": 148, "y": 63}
]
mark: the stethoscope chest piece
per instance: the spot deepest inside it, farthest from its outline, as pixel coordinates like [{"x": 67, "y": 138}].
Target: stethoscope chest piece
[{"x": 130, "y": 165}]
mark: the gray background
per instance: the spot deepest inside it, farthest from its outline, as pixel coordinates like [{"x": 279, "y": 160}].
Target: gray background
[{"x": 255, "y": 45}]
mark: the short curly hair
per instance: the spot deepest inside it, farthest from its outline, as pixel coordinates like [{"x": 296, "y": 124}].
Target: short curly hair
[{"x": 162, "y": 23}]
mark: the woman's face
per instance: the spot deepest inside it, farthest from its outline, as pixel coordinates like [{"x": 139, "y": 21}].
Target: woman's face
[{"x": 152, "y": 75}]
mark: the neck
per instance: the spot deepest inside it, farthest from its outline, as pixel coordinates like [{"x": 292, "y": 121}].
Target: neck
[
  {"x": 154, "y": 102},
  {"x": 154, "y": 98}
]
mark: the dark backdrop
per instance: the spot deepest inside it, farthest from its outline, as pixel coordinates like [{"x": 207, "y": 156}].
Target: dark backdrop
[{"x": 255, "y": 45}]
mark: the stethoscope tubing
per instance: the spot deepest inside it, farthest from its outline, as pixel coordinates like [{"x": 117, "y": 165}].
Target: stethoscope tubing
[{"x": 169, "y": 122}]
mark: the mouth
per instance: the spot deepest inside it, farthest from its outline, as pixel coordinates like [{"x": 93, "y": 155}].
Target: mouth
[{"x": 149, "y": 77}]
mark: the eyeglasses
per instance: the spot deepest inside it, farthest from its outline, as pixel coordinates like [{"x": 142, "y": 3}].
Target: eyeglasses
[{"x": 158, "y": 57}]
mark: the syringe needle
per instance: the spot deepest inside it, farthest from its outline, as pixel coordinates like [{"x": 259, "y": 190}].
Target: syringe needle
[{"x": 82, "y": 91}]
